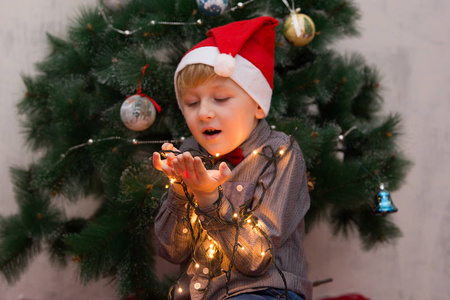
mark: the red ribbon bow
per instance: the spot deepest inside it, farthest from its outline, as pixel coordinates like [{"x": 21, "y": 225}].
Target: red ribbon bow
[{"x": 234, "y": 157}]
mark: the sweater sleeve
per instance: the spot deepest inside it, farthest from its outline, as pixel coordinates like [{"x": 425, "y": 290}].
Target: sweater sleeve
[
  {"x": 283, "y": 191},
  {"x": 173, "y": 239},
  {"x": 174, "y": 226}
]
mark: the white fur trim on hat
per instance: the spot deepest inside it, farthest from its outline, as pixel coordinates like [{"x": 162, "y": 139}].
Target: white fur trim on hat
[{"x": 245, "y": 74}]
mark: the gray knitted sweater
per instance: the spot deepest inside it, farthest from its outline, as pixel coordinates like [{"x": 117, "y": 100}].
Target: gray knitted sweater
[{"x": 258, "y": 251}]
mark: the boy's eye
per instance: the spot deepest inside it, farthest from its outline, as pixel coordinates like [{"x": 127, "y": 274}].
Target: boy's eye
[
  {"x": 190, "y": 104},
  {"x": 222, "y": 99}
]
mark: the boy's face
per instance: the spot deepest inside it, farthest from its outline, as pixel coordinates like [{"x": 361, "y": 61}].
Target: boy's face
[{"x": 220, "y": 114}]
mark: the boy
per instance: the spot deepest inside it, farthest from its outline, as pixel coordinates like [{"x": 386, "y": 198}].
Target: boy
[{"x": 236, "y": 228}]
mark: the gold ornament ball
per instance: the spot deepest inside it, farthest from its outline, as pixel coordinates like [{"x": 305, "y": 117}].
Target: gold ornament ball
[{"x": 307, "y": 27}]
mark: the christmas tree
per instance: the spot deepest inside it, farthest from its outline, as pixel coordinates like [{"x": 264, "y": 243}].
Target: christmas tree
[{"x": 80, "y": 116}]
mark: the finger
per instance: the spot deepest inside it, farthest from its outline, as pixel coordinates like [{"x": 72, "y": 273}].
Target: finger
[
  {"x": 224, "y": 172},
  {"x": 174, "y": 149},
  {"x": 168, "y": 171},
  {"x": 200, "y": 169},
  {"x": 157, "y": 161},
  {"x": 189, "y": 161},
  {"x": 167, "y": 146},
  {"x": 178, "y": 165},
  {"x": 170, "y": 158}
]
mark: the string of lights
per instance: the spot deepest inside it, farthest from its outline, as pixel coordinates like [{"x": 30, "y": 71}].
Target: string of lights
[
  {"x": 111, "y": 138},
  {"x": 341, "y": 138},
  {"x": 239, "y": 219},
  {"x": 198, "y": 22}
]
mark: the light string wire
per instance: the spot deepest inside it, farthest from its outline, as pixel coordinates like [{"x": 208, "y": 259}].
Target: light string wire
[
  {"x": 245, "y": 211},
  {"x": 341, "y": 139},
  {"x": 111, "y": 138},
  {"x": 198, "y": 22}
]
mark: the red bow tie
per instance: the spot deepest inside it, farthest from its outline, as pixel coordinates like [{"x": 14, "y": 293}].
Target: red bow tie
[{"x": 234, "y": 157}]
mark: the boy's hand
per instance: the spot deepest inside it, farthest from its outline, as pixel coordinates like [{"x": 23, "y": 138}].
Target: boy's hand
[
  {"x": 166, "y": 165},
  {"x": 203, "y": 183}
]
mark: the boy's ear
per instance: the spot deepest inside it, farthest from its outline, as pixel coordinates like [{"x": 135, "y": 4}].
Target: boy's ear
[{"x": 259, "y": 113}]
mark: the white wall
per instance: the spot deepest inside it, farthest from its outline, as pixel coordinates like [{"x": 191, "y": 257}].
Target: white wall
[
  {"x": 23, "y": 24},
  {"x": 408, "y": 40}
]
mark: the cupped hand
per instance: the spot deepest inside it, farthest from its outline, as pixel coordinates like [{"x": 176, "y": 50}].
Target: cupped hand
[{"x": 203, "y": 183}]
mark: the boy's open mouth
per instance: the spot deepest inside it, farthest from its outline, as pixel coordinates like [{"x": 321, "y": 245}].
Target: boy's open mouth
[{"x": 211, "y": 131}]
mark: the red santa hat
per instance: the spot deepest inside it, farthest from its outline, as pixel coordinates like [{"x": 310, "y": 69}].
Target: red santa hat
[{"x": 242, "y": 51}]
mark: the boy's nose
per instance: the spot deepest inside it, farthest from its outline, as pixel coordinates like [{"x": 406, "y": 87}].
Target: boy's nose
[{"x": 205, "y": 112}]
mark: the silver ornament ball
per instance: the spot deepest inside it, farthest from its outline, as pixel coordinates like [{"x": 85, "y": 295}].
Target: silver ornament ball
[
  {"x": 137, "y": 113},
  {"x": 212, "y": 7},
  {"x": 115, "y": 4}
]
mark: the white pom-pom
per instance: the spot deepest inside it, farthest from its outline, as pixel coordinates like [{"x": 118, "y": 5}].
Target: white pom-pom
[{"x": 224, "y": 65}]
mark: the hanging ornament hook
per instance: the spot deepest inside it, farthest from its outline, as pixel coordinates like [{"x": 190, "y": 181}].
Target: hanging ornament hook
[
  {"x": 139, "y": 91},
  {"x": 293, "y": 12}
]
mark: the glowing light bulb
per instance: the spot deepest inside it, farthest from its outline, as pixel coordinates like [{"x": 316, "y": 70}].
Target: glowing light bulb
[
  {"x": 167, "y": 186},
  {"x": 172, "y": 180},
  {"x": 242, "y": 248},
  {"x": 249, "y": 221},
  {"x": 255, "y": 152},
  {"x": 197, "y": 266},
  {"x": 180, "y": 290},
  {"x": 263, "y": 253},
  {"x": 281, "y": 152},
  {"x": 217, "y": 154},
  {"x": 235, "y": 215},
  {"x": 211, "y": 251}
]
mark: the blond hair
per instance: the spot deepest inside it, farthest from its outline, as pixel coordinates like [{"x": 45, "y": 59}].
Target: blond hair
[{"x": 193, "y": 76}]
